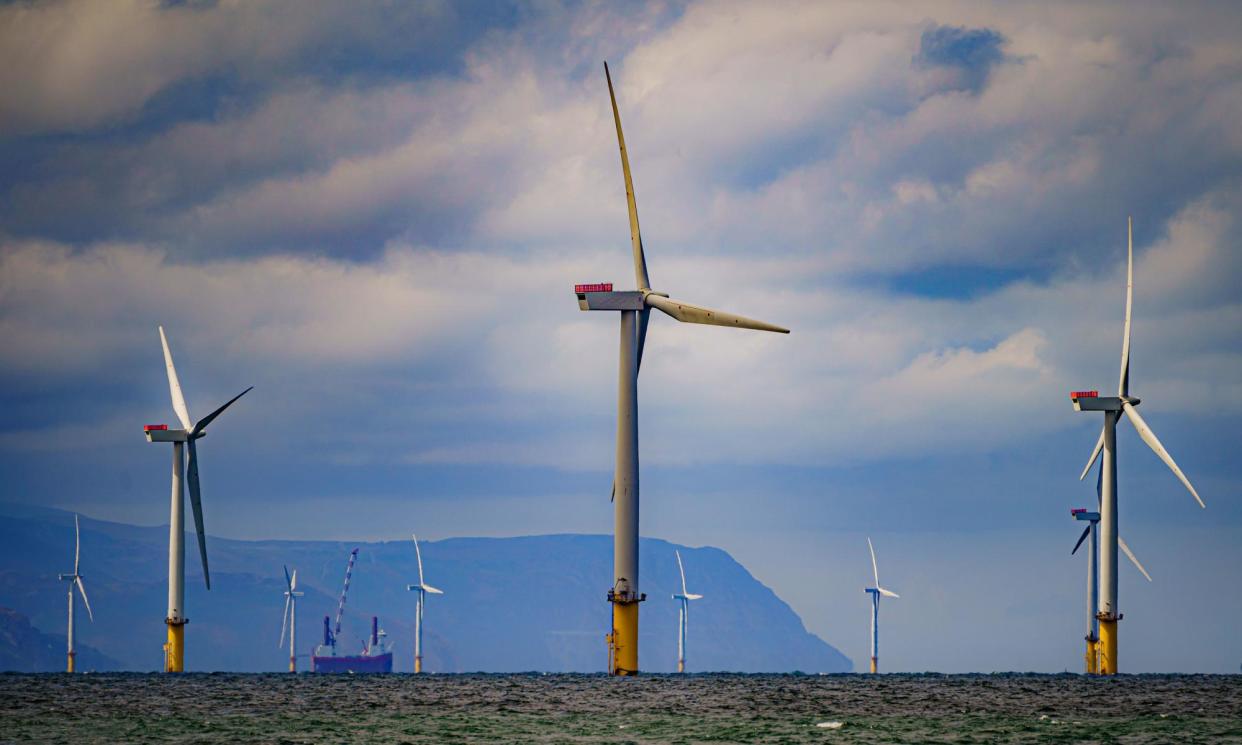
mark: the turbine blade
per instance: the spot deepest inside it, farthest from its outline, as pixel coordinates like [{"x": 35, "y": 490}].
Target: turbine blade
[
  {"x": 77, "y": 543},
  {"x": 288, "y": 579},
  {"x": 202, "y": 423},
  {"x": 196, "y": 504},
  {"x": 612, "y": 496},
  {"x": 682, "y": 570},
  {"x": 432, "y": 590},
  {"x": 644, "y": 318},
  {"x": 887, "y": 593},
  {"x": 294, "y": 584},
  {"x": 636, "y": 238},
  {"x": 174, "y": 385},
  {"x": 1121, "y": 543},
  {"x": 687, "y": 313},
  {"x": 1086, "y": 532},
  {"x": 1123, "y": 385},
  {"x": 419, "y": 555},
  {"x": 82, "y": 589},
  {"x": 692, "y": 596},
  {"x": 1153, "y": 442},
  {"x": 284, "y": 622},
  {"x": 1099, "y": 485},
  {"x": 1099, "y": 446},
  {"x": 874, "y": 568}
]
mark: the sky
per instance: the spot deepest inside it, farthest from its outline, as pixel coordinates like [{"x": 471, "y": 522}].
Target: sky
[{"x": 374, "y": 213}]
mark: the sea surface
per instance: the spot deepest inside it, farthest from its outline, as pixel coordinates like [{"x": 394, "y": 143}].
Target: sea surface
[{"x": 226, "y": 708}]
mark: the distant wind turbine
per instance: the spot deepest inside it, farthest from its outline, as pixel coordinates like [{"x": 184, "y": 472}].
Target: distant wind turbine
[
  {"x": 174, "y": 649},
  {"x": 635, "y": 309},
  {"x": 75, "y": 582},
  {"x": 290, "y": 619},
  {"x": 1113, "y": 407},
  {"x": 683, "y": 615},
  {"x": 1093, "y": 588},
  {"x": 876, "y": 592},
  {"x": 422, "y": 588}
]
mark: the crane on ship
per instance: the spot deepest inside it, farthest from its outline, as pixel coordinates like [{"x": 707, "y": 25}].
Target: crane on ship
[{"x": 331, "y": 633}]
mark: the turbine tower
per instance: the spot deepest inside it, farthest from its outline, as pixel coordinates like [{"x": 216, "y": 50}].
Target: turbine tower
[
  {"x": 876, "y": 592},
  {"x": 422, "y": 588},
  {"x": 75, "y": 581},
  {"x": 174, "y": 648},
  {"x": 683, "y": 615},
  {"x": 290, "y": 620},
  {"x": 635, "y": 309},
  {"x": 1113, "y": 408},
  {"x": 1092, "y": 655}
]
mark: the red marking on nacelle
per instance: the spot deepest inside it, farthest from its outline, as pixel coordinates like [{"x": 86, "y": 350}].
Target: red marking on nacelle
[
  {"x": 595, "y": 287},
  {"x": 1084, "y": 394},
  {"x": 1078, "y": 511},
  {"x": 154, "y": 427}
]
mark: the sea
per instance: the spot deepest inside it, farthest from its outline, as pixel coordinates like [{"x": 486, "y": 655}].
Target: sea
[{"x": 538, "y": 708}]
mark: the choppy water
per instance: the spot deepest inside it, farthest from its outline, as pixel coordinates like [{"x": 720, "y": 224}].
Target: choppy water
[{"x": 585, "y": 708}]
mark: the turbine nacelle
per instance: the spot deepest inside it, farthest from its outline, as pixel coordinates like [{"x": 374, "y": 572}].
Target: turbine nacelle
[
  {"x": 161, "y": 433},
  {"x": 601, "y": 296},
  {"x": 1083, "y": 514}
]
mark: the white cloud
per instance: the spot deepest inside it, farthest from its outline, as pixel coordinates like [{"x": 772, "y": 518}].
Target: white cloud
[{"x": 907, "y": 374}]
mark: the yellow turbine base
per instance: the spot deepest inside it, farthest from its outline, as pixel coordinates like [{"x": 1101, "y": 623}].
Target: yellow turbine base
[
  {"x": 1091, "y": 657},
  {"x": 1108, "y": 647},
  {"x": 293, "y": 664},
  {"x": 174, "y": 649},
  {"x": 418, "y": 664},
  {"x": 681, "y": 666},
  {"x": 874, "y": 666},
  {"x": 70, "y": 666},
  {"x": 624, "y": 638}
]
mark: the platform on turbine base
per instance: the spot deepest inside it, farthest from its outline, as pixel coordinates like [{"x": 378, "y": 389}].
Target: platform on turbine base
[{"x": 625, "y": 597}]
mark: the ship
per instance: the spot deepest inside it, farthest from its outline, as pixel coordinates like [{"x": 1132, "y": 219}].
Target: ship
[
  {"x": 376, "y": 654},
  {"x": 375, "y": 657}
]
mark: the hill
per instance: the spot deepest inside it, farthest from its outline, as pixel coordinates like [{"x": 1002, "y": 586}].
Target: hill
[{"x": 533, "y": 603}]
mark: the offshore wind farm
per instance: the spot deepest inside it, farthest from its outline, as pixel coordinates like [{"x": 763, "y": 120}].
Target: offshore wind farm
[{"x": 370, "y": 216}]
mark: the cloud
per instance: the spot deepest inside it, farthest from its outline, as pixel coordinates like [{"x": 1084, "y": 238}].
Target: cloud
[
  {"x": 478, "y": 343},
  {"x": 74, "y": 65}
]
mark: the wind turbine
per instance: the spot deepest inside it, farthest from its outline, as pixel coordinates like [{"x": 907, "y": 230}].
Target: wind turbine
[
  {"x": 876, "y": 592},
  {"x": 1113, "y": 407},
  {"x": 75, "y": 581},
  {"x": 174, "y": 649},
  {"x": 1093, "y": 591},
  {"x": 683, "y": 616},
  {"x": 635, "y": 309},
  {"x": 291, "y": 618},
  {"x": 422, "y": 588}
]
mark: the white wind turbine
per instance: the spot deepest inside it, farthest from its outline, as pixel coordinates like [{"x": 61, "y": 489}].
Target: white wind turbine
[
  {"x": 75, "y": 581},
  {"x": 1113, "y": 408},
  {"x": 683, "y": 615},
  {"x": 1092, "y": 519},
  {"x": 174, "y": 649},
  {"x": 422, "y": 588},
  {"x": 290, "y": 619},
  {"x": 635, "y": 310},
  {"x": 876, "y": 592}
]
